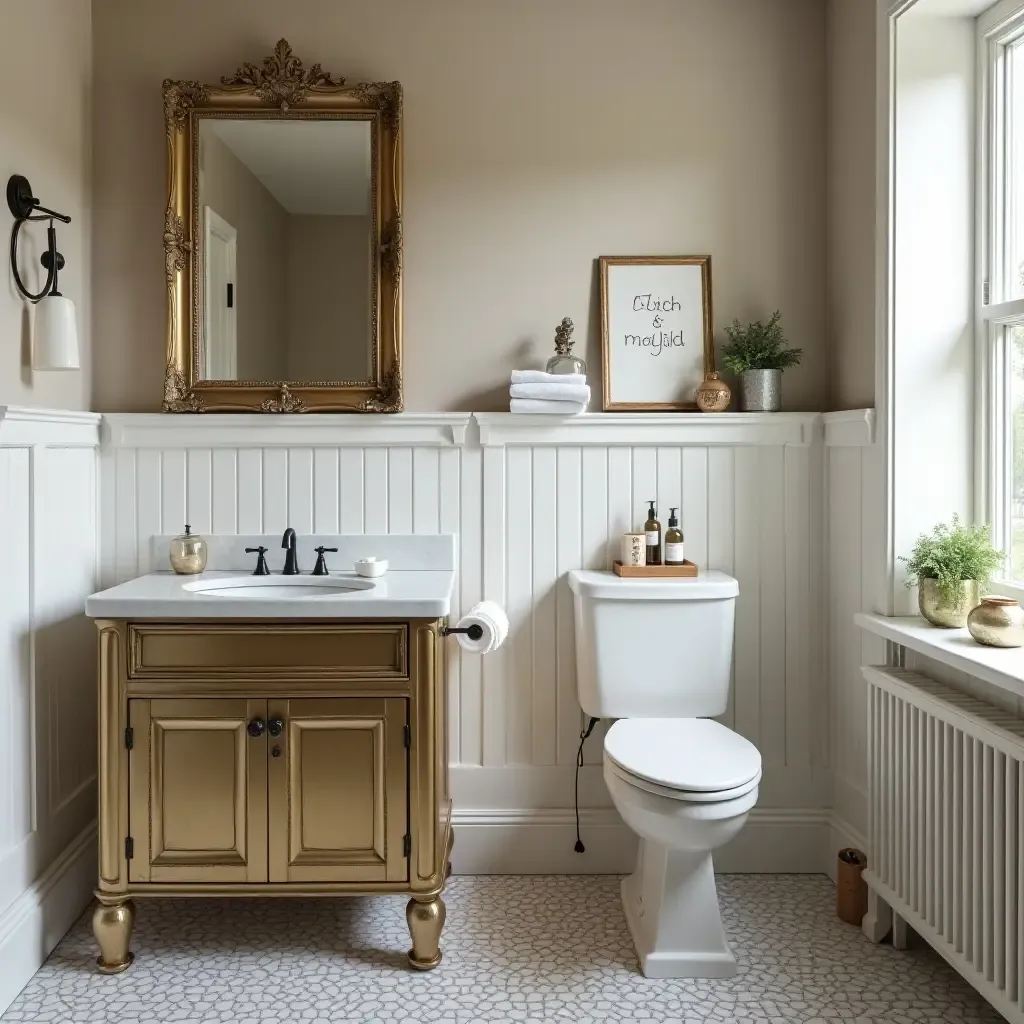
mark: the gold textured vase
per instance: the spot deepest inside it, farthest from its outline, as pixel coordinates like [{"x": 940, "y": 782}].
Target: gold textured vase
[
  {"x": 948, "y": 615},
  {"x": 188, "y": 553},
  {"x": 713, "y": 394},
  {"x": 997, "y": 622}
]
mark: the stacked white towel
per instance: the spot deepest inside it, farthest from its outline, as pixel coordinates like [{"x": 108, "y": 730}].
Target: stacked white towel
[{"x": 558, "y": 394}]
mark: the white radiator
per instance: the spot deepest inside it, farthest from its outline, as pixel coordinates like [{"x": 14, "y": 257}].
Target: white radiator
[{"x": 946, "y": 826}]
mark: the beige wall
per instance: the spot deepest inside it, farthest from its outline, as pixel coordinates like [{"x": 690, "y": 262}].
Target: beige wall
[
  {"x": 539, "y": 135},
  {"x": 261, "y": 223},
  {"x": 328, "y": 297},
  {"x": 851, "y": 187},
  {"x": 45, "y": 134}
]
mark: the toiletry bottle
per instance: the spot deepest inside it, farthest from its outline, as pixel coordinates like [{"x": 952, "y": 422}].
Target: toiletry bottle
[
  {"x": 653, "y": 530},
  {"x": 673, "y": 540}
]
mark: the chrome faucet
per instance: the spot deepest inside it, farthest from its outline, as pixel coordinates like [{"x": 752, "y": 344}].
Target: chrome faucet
[{"x": 291, "y": 565}]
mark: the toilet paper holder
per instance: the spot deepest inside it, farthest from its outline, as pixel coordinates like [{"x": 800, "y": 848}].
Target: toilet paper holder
[{"x": 474, "y": 632}]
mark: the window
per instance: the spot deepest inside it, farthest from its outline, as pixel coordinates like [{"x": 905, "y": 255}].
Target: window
[{"x": 1001, "y": 261}]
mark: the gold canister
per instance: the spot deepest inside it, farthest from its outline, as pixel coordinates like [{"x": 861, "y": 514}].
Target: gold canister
[
  {"x": 997, "y": 622},
  {"x": 188, "y": 553},
  {"x": 947, "y": 615},
  {"x": 713, "y": 394}
]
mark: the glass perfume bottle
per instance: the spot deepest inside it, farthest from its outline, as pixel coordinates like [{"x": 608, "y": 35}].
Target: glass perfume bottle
[{"x": 563, "y": 361}]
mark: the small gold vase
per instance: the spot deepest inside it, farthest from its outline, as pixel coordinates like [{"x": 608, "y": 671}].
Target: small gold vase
[
  {"x": 945, "y": 615},
  {"x": 188, "y": 553},
  {"x": 713, "y": 395},
  {"x": 997, "y": 622}
]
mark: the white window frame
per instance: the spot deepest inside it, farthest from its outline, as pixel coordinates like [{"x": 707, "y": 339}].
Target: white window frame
[{"x": 998, "y": 27}]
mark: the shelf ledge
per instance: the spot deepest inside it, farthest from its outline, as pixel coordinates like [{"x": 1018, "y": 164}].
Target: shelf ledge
[{"x": 953, "y": 647}]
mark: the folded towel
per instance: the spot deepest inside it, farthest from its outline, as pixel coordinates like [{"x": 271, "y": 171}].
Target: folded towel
[
  {"x": 540, "y": 377},
  {"x": 536, "y": 405},
  {"x": 552, "y": 392}
]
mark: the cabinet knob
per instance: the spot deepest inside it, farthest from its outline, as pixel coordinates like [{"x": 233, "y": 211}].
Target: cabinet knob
[
  {"x": 255, "y": 727},
  {"x": 275, "y": 726}
]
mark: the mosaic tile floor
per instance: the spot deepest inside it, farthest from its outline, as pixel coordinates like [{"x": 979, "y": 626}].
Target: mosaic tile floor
[{"x": 516, "y": 949}]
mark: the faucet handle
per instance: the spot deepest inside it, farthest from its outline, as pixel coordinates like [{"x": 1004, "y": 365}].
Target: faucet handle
[
  {"x": 261, "y": 562},
  {"x": 320, "y": 569}
]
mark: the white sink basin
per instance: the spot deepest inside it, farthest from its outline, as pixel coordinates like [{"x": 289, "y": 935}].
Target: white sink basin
[{"x": 278, "y": 588}]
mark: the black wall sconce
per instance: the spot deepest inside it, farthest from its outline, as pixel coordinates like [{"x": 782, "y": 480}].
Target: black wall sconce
[{"x": 55, "y": 343}]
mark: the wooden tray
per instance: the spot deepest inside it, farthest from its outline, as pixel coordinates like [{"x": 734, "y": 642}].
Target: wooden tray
[{"x": 688, "y": 570}]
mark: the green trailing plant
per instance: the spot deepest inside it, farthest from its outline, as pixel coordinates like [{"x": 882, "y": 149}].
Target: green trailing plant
[
  {"x": 759, "y": 346},
  {"x": 951, "y": 554}
]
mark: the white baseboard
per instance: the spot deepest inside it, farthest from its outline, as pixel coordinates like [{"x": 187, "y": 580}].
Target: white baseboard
[
  {"x": 540, "y": 842},
  {"x": 40, "y": 917}
]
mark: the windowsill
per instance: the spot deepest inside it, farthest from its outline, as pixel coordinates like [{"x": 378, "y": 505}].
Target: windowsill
[{"x": 954, "y": 647}]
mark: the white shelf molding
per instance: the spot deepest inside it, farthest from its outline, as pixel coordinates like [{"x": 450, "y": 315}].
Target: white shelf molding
[
  {"x": 953, "y": 647},
  {"x": 659, "y": 429},
  {"x": 851, "y": 429},
  {"x": 23, "y": 427},
  {"x": 254, "y": 430}
]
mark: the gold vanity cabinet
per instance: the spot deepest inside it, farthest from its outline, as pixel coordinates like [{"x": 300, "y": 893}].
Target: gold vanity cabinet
[{"x": 319, "y": 779}]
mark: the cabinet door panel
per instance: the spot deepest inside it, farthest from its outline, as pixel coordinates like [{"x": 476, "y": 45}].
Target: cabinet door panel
[
  {"x": 338, "y": 805},
  {"x": 198, "y": 791}
]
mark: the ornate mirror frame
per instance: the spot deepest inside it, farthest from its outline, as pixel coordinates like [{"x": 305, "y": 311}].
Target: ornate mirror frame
[{"x": 281, "y": 87}]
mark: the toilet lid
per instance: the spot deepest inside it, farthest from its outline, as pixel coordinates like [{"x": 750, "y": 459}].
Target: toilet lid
[{"x": 692, "y": 754}]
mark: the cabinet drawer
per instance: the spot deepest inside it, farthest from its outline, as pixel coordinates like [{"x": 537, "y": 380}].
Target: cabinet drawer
[{"x": 364, "y": 650}]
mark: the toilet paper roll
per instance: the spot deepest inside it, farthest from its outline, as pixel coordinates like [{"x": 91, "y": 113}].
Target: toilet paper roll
[{"x": 492, "y": 620}]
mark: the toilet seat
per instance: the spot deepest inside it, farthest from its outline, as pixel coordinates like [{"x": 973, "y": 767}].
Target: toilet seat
[{"x": 692, "y": 759}]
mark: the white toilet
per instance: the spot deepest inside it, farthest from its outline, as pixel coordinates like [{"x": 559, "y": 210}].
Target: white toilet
[{"x": 656, "y": 654}]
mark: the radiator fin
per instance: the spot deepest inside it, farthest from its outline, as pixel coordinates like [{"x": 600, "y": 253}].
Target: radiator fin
[{"x": 946, "y": 824}]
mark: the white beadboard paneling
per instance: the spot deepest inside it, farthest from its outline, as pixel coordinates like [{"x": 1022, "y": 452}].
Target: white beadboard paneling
[
  {"x": 200, "y": 490},
  {"x": 519, "y": 606},
  {"x": 772, "y": 570},
  {"x": 470, "y": 728},
  {"x": 326, "y": 503},
  {"x": 747, "y": 570},
  {"x": 494, "y": 562},
  {"x": 544, "y": 556},
  {"x": 569, "y": 538},
  {"x": 300, "y": 489},
  {"x": 49, "y": 500},
  {"x": 225, "y": 490},
  {"x": 532, "y": 502}
]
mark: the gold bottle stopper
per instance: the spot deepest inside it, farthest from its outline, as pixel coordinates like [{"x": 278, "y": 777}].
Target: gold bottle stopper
[{"x": 188, "y": 553}]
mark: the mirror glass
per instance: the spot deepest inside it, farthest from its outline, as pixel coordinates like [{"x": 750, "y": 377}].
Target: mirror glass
[{"x": 286, "y": 240}]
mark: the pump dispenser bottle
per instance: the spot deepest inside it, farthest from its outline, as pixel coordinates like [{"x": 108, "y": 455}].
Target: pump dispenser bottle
[
  {"x": 674, "y": 540},
  {"x": 653, "y": 530}
]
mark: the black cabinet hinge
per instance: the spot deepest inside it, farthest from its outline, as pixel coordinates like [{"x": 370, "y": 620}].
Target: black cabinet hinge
[
  {"x": 129, "y": 737},
  {"x": 129, "y": 848},
  {"x": 407, "y": 737},
  {"x": 406, "y": 845}
]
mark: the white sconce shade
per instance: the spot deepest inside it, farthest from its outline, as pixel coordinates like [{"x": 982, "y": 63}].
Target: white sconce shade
[{"x": 55, "y": 342}]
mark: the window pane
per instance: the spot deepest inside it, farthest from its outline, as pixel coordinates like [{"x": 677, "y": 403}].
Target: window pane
[
  {"x": 1014, "y": 224},
  {"x": 1015, "y": 338}
]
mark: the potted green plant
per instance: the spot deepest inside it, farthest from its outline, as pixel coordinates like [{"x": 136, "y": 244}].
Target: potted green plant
[
  {"x": 951, "y": 566},
  {"x": 757, "y": 354}
]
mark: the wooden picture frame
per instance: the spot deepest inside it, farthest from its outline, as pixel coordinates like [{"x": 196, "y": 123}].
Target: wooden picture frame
[{"x": 657, "y": 340}]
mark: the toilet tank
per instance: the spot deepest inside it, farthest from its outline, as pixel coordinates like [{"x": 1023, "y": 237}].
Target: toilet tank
[{"x": 653, "y": 648}]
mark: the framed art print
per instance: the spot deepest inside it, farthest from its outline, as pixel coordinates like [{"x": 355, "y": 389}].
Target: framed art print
[{"x": 656, "y": 335}]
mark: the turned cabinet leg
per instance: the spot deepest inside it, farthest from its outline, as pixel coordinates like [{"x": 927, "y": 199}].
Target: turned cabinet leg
[
  {"x": 112, "y": 926},
  {"x": 426, "y": 919}
]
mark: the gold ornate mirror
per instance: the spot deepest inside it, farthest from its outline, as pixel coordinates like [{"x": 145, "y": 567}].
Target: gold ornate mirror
[{"x": 283, "y": 242}]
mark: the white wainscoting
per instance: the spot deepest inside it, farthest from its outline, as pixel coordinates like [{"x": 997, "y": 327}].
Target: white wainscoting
[
  {"x": 530, "y": 498},
  {"x": 48, "y": 506},
  {"x": 854, "y": 542}
]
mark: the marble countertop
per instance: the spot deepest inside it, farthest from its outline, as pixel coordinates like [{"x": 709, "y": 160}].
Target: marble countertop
[{"x": 400, "y": 594}]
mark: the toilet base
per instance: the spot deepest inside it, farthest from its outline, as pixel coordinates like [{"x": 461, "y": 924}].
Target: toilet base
[{"x": 671, "y": 907}]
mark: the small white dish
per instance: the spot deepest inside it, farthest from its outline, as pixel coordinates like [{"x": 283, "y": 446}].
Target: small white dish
[{"x": 371, "y": 567}]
